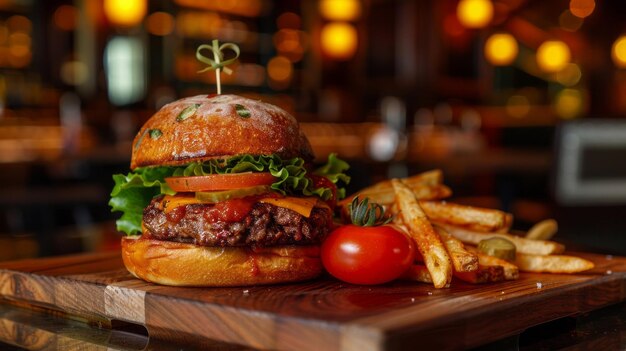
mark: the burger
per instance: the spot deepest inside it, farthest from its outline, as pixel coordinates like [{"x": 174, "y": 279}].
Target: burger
[{"x": 221, "y": 193}]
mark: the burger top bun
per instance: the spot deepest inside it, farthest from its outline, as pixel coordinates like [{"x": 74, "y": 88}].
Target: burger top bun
[{"x": 205, "y": 127}]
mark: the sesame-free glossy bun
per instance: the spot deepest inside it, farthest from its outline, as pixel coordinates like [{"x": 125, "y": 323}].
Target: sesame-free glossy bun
[
  {"x": 181, "y": 264},
  {"x": 201, "y": 127}
]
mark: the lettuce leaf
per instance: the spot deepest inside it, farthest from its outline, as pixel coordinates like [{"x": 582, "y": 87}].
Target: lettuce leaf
[{"x": 134, "y": 191}]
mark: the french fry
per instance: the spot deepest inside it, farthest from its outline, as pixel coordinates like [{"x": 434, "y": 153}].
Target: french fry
[
  {"x": 426, "y": 186},
  {"x": 511, "y": 271},
  {"x": 429, "y": 178},
  {"x": 543, "y": 230},
  {"x": 428, "y": 242},
  {"x": 418, "y": 273},
  {"x": 484, "y": 274},
  {"x": 386, "y": 196},
  {"x": 462, "y": 260},
  {"x": 523, "y": 245},
  {"x": 474, "y": 218},
  {"x": 552, "y": 263}
]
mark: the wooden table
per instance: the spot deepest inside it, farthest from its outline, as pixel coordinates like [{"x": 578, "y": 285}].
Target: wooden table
[{"x": 319, "y": 315}]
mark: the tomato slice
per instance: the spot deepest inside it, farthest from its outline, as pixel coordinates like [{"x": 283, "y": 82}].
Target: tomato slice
[{"x": 219, "y": 181}]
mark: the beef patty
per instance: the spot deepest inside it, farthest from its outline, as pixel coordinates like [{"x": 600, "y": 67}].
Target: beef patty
[{"x": 264, "y": 225}]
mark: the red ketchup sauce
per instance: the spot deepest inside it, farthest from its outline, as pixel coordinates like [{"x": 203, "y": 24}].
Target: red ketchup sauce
[{"x": 230, "y": 210}]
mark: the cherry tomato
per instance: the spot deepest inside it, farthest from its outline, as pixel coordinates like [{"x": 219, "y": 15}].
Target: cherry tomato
[
  {"x": 219, "y": 181},
  {"x": 367, "y": 255}
]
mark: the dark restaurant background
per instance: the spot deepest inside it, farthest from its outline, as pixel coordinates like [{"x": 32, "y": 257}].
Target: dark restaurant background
[{"x": 522, "y": 103}]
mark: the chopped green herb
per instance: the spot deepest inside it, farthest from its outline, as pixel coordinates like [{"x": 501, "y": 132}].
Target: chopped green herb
[
  {"x": 155, "y": 133},
  {"x": 187, "y": 112},
  {"x": 242, "y": 111}
]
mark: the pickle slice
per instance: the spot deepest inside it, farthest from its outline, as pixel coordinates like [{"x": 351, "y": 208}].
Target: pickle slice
[
  {"x": 498, "y": 247},
  {"x": 217, "y": 196}
]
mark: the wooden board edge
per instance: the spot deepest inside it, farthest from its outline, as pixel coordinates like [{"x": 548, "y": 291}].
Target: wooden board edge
[{"x": 476, "y": 327}]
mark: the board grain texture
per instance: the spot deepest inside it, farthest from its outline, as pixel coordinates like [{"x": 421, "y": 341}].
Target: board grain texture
[{"x": 323, "y": 314}]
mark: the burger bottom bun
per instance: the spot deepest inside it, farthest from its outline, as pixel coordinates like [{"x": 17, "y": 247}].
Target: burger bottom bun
[{"x": 181, "y": 264}]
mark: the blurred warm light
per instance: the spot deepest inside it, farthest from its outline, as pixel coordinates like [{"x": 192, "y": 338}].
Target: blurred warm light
[
  {"x": 248, "y": 8},
  {"x": 279, "y": 69},
  {"x": 290, "y": 43},
  {"x": 569, "y": 22},
  {"x": 125, "y": 13},
  {"x": 288, "y": 20},
  {"x": 570, "y": 75},
  {"x": 569, "y": 103},
  {"x": 160, "y": 23},
  {"x": 74, "y": 72},
  {"x": 501, "y": 49},
  {"x": 517, "y": 106},
  {"x": 340, "y": 10},
  {"x": 582, "y": 8},
  {"x": 19, "y": 39},
  {"x": 4, "y": 34},
  {"x": 339, "y": 40},
  {"x": 618, "y": 52},
  {"x": 199, "y": 24},
  {"x": 474, "y": 13},
  {"x": 66, "y": 17},
  {"x": 553, "y": 56},
  {"x": 19, "y": 23},
  {"x": 452, "y": 26}
]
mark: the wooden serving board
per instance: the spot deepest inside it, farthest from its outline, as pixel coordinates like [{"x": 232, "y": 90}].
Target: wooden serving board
[{"x": 319, "y": 315}]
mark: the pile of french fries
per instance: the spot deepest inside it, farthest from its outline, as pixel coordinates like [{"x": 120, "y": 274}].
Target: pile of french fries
[{"x": 446, "y": 235}]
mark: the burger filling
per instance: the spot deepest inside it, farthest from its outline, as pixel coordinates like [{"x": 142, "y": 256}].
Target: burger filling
[{"x": 240, "y": 222}]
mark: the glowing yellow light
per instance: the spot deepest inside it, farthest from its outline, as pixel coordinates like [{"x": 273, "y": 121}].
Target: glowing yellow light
[
  {"x": 339, "y": 40},
  {"x": 569, "y": 103},
  {"x": 340, "y": 10},
  {"x": 618, "y": 52},
  {"x": 570, "y": 75},
  {"x": 126, "y": 13},
  {"x": 474, "y": 13},
  {"x": 279, "y": 69},
  {"x": 553, "y": 56},
  {"x": 501, "y": 49},
  {"x": 160, "y": 23},
  {"x": 517, "y": 106},
  {"x": 582, "y": 8}
]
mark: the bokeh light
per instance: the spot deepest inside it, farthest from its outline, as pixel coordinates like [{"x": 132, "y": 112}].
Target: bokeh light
[
  {"x": 618, "y": 52},
  {"x": 125, "y": 13},
  {"x": 570, "y": 75},
  {"x": 289, "y": 20},
  {"x": 582, "y": 8},
  {"x": 339, "y": 40},
  {"x": 279, "y": 69},
  {"x": 569, "y": 22},
  {"x": 474, "y": 13},
  {"x": 340, "y": 10},
  {"x": 66, "y": 17},
  {"x": 160, "y": 23},
  {"x": 501, "y": 49},
  {"x": 553, "y": 56},
  {"x": 19, "y": 23},
  {"x": 290, "y": 43},
  {"x": 568, "y": 103}
]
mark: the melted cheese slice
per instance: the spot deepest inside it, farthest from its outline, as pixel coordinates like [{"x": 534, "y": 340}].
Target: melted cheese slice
[
  {"x": 302, "y": 205},
  {"x": 170, "y": 202}
]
